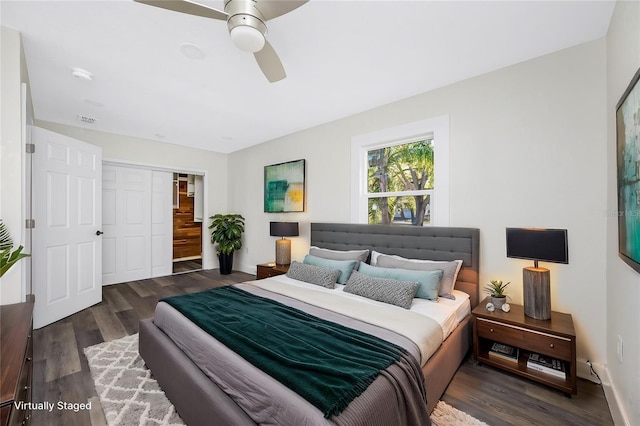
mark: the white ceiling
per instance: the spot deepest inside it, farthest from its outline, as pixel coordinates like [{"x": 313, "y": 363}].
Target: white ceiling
[{"x": 341, "y": 57}]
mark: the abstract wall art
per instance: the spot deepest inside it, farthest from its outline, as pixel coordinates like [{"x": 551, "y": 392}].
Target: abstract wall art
[{"x": 284, "y": 187}]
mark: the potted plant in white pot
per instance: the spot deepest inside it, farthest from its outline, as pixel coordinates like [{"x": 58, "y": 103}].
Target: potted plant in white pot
[
  {"x": 7, "y": 257},
  {"x": 496, "y": 290},
  {"x": 226, "y": 231}
]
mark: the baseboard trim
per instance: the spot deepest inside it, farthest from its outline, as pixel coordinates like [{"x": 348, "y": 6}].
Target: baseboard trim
[{"x": 614, "y": 399}]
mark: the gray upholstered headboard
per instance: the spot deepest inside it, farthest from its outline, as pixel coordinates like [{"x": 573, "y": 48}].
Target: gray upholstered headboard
[{"x": 431, "y": 243}]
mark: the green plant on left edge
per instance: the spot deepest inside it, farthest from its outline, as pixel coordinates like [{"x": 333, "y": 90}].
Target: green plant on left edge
[{"x": 7, "y": 257}]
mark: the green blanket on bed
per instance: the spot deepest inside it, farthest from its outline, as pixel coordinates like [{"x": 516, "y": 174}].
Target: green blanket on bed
[{"x": 324, "y": 362}]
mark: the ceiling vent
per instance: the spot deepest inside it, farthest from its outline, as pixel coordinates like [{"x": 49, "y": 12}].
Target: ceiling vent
[{"x": 86, "y": 119}]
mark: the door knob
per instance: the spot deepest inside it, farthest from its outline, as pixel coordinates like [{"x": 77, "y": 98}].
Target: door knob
[{"x": 98, "y": 233}]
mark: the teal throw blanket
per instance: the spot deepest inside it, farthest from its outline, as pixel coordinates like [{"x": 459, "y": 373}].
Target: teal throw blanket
[{"x": 324, "y": 362}]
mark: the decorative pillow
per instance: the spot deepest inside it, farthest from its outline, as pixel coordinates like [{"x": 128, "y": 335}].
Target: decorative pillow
[
  {"x": 395, "y": 292},
  {"x": 358, "y": 255},
  {"x": 450, "y": 268},
  {"x": 344, "y": 266},
  {"x": 312, "y": 274},
  {"x": 429, "y": 280}
]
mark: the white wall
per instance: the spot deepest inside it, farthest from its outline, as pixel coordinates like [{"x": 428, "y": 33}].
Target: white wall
[
  {"x": 13, "y": 73},
  {"x": 527, "y": 144},
  {"x": 623, "y": 283},
  {"x": 146, "y": 152}
]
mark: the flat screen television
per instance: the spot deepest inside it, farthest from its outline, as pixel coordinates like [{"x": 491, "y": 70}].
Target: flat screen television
[{"x": 544, "y": 245}]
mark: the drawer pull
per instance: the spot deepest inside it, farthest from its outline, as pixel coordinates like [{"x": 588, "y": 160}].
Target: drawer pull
[
  {"x": 26, "y": 387},
  {"x": 28, "y": 359},
  {"x": 551, "y": 345},
  {"x": 491, "y": 330}
]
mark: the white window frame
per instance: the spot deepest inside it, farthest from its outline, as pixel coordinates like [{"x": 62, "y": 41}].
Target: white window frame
[{"x": 436, "y": 128}]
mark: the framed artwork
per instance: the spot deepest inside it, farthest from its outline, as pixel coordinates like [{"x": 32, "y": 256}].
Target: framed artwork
[
  {"x": 628, "y": 154},
  {"x": 284, "y": 189}
]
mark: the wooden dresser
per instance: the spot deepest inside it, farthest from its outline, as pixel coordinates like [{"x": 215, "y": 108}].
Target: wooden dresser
[{"x": 16, "y": 360}]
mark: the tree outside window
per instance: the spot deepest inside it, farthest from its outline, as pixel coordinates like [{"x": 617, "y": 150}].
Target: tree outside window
[{"x": 400, "y": 183}]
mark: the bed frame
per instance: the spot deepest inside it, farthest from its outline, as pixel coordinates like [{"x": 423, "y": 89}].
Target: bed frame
[{"x": 200, "y": 402}]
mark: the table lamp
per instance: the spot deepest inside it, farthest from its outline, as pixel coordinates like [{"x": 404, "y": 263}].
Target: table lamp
[
  {"x": 283, "y": 245},
  {"x": 544, "y": 245}
]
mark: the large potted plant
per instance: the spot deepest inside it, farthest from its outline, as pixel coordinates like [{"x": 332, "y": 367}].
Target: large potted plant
[
  {"x": 7, "y": 257},
  {"x": 226, "y": 231}
]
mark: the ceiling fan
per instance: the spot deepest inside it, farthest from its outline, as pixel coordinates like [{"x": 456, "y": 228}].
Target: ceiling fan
[{"x": 247, "y": 23}]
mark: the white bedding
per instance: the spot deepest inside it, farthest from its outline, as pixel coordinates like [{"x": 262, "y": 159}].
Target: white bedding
[{"x": 446, "y": 312}]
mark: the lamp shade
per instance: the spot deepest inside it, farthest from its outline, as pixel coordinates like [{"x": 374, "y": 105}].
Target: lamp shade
[
  {"x": 283, "y": 229},
  {"x": 545, "y": 245}
]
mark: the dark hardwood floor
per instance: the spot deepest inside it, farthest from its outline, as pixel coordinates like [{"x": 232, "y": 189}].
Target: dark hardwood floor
[{"x": 61, "y": 372}]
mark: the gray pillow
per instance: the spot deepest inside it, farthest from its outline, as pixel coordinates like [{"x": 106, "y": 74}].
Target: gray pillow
[
  {"x": 450, "y": 270},
  {"x": 312, "y": 274},
  {"x": 395, "y": 292},
  {"x": 359, "y": 255}
]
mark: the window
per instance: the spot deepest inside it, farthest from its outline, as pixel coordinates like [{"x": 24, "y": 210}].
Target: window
[
  {"x": 400, "y": 183},
  {"x": 400, "y": 175}
]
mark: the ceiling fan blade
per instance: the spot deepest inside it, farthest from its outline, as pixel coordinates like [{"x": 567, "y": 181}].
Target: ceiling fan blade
[
  {"x": 188, "y": 7},
  {"x": 273, "y": 8},
  {"x": 270, "y": 64}
]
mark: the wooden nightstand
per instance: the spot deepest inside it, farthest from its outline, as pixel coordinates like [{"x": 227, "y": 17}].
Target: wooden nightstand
[
  {"x": 555, "y": 337},
  {"x": 266, "y": 270}
]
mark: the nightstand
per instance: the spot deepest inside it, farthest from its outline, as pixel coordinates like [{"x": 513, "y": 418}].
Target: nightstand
[
  {"x": 266, "y": 270},
  {"x": 554, "y": 337}
]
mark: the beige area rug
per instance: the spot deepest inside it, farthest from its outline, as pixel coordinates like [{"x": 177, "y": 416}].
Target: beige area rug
[{"x": 130, "y": 396}]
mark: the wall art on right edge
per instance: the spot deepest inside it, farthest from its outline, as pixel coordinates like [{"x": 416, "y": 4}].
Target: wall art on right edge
[
  {"x": 284, "y": 187},
  {"x": 628, "y": 146}
]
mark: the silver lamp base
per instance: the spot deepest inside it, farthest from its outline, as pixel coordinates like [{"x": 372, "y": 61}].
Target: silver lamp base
[{"x": 283, "y": 251}]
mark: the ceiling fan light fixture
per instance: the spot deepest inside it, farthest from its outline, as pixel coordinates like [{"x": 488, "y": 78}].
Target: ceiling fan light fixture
[{"x": 247, "y": 38}]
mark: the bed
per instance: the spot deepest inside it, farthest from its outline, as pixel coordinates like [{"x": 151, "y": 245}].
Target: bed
[{"x": 199, "y": 400}]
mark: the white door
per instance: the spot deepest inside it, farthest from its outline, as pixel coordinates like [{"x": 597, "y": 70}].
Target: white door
[
  {"x": 162, "y": 224},
  {"x": 126, "y": 221},
  {"x": 67, "y": 250}
]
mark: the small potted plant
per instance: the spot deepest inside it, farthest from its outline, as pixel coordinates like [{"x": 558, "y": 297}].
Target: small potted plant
[
  {"x": 496, "y": 290},
  {"x": 226, "y": 231}
]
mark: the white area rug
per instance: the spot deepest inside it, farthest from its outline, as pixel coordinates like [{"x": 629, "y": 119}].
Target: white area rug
[{"x": 129, "y": 396}]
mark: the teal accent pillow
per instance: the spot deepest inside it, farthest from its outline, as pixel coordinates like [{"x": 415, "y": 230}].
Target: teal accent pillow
[
  {"x": 344, "y": 266},
  {"x": 429, "y": 280}
]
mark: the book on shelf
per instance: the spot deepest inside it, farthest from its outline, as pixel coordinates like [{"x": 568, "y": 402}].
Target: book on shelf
[
  {"x": 502, "y": 351},
  {"x": 546, "y": 364}
]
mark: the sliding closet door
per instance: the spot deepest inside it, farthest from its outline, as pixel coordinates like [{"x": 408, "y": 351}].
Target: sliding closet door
[
  {"x": 162, "y": 224},
  {"x": 126, "y": 218}
]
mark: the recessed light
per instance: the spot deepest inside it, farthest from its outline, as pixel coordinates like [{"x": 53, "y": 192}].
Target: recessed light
[
  {"x": 191, "y": 51},
  {"x": 80, "y": 73}
]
